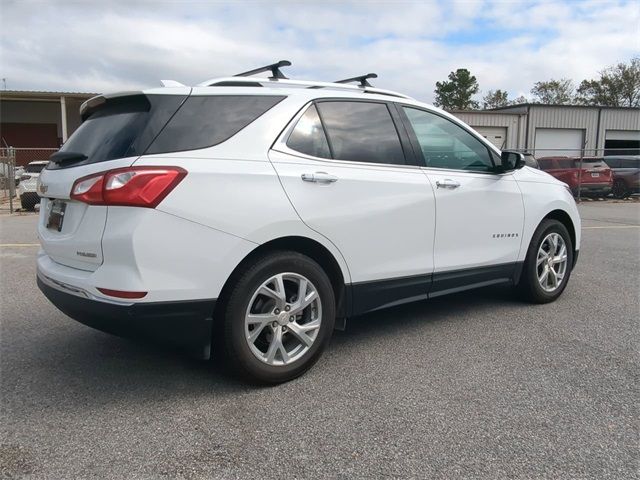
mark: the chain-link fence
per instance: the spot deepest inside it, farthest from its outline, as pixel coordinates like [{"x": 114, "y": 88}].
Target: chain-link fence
[
  {"x": 14, "y": 167},
  {"x": 590, "y": 173}
]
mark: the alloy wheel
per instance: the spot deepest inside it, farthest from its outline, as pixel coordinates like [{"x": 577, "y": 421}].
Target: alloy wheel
[
  {"x": 283, "y": 319},
  {"x": 551, "y": 263}
]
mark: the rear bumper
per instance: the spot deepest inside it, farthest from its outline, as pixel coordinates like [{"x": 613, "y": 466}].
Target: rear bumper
[
  {"x": 602, "y": 188},
  {"x": 183, "y": 324}
]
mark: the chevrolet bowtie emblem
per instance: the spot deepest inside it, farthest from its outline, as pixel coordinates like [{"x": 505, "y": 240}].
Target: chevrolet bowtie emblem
[{"x": 43, "y": 188}]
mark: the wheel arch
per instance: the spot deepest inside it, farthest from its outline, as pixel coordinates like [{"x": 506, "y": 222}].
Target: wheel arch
[
  {"x": 564, "y": 218},
  {"x": 306, "y": 246}
]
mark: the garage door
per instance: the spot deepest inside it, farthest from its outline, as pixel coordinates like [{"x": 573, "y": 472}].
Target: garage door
[
  {"x": 622, "y": 142},
  {"x": 558, "y": 141},
  {"x": 496, "y": 135}
]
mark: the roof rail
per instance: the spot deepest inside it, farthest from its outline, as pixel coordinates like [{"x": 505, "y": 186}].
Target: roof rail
[
  {"x": 362, "y": 79},
  {"x": 257, "y": 81},
  {"x": 274, "y": 68}
]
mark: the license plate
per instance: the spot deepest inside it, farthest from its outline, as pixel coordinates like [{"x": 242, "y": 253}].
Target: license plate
[
  {"x": 595, "y": 175},
  {"x": 56, "y": 215}
]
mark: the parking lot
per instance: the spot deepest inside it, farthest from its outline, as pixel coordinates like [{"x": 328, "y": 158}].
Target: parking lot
[{"x": 476, "y": 385}]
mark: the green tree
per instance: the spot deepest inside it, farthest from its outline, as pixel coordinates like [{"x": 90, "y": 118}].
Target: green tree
[
  {"x": 520, "y": 100},
  {"x": 556, "y": 92},
  {"x": 495, "y": 99},
  {"x": 618, "y": 86},
  {"x": 457, "y": 93}
]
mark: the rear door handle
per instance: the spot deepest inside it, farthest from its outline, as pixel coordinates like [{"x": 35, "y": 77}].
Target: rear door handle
[
  {"x": 319, "y": 177},
  {"x": 447, "y": 183}
]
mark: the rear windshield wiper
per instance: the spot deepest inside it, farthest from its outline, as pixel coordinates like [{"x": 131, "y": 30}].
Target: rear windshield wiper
[{"x": 65, "y": 158}]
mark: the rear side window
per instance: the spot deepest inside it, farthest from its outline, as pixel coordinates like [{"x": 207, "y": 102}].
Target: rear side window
[
  {"x": 308, "y": 135},
  {"x": 205, "y": 121},
  {"x": 361, "y": 132}
]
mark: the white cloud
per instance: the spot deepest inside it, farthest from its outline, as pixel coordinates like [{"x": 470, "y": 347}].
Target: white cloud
[{"x": 79, "y": 46}]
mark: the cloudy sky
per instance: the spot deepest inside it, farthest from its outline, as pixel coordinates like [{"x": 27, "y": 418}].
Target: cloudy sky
[{"x": 114, "y": 45}]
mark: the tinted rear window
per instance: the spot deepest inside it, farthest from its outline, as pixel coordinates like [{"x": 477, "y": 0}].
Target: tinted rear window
[
  {"x": 123, "y": 127},
  {"x": 133, "y": 125},
  {"x": 209, "y": 120},
  {"x": 34, "y": 168}
]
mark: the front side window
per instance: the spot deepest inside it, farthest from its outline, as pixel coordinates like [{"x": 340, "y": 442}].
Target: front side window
[
  {"x": 446, "y": 145},
  {"x": 361, "y": 132},
  {"x": 308, "y": 135}
]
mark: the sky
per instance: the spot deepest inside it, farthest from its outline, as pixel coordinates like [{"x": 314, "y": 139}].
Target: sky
[{"x": 105, "y": 46}]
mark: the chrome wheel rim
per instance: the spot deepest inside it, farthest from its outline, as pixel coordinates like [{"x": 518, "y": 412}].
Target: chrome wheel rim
[
  {"x": 283, "y": 319},
  {"x": 551, "y": 263}
]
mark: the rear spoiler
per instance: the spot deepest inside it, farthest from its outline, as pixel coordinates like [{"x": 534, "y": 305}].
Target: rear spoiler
[{"x": 88, "y": 107}]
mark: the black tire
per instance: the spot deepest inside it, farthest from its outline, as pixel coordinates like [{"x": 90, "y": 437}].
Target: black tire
[
  {"x": 529, "y": 286},
  {"x": 620, "y": 189},
  {"x": 237, "y": 351},
  {"x": 27, "y": 204}
]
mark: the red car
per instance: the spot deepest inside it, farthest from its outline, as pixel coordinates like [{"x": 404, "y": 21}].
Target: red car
[{"x": 595, "y": 177}]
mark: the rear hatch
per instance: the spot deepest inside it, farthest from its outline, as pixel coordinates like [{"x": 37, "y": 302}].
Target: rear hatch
[
  {"x": 594, "y": 170},
  {"x": 115, "y": 131}
]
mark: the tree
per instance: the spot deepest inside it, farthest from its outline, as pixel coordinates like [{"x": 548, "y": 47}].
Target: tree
[
  {"x": 520, "y": 100},
  {"x": 495, "y": 99},
  {"x": 556, "y": 92},
  {"x": 457, "y": 92},
  {"x": 618, "y": 86}
]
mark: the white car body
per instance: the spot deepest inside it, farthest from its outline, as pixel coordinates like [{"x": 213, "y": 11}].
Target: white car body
[
  {"x": 27, "y": 188},
  {"x": 392, "y": 233}
]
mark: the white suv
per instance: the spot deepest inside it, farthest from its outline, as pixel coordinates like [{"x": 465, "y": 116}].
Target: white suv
[
  {"x": 28, "y": 184},
  {"x": 258, "y": 214}
]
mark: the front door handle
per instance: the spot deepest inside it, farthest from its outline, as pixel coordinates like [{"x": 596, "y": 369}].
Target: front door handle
[
  {"x": 319, "y": 177},
  {"x": 447, "y": 183}
]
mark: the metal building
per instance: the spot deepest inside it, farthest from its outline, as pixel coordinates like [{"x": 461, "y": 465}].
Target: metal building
[
  {"x": 39, "y": 119},
  {"x": 568, "y": 130}
]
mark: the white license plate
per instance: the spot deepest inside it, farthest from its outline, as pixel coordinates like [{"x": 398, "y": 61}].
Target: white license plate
[{"x": 595, "y": 175}]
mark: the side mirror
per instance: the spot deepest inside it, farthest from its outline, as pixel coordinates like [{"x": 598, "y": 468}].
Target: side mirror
[{"x": 511, "y": 160}]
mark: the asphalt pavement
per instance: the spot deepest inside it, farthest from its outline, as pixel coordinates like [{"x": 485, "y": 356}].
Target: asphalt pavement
[{"x": 476, "y": 385}]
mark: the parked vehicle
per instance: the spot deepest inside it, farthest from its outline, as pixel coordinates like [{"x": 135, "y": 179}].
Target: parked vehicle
[
  {"x": 27, "y": 188},
  {"x": 626, "y": 174},
  {"x": 595, "y": 177},
  {"x": 530, "y": 161},
  {"x": 18, "y": 172},
  {"x": 256, "y": 215}
]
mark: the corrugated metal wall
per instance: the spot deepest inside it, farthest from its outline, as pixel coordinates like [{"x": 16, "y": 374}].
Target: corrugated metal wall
[
  {"x": 585, "y": 119},
  {"x": 521, "y": 131},
  {"x": 617, "y": 120}
]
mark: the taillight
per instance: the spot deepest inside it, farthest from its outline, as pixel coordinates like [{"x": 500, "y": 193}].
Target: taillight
[
  {"x": 132, "y": 186},
  {"x": 121, "y": 293}
]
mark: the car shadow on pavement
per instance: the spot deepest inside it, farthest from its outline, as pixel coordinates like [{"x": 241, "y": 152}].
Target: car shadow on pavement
[{"x": 76, "y": 366}]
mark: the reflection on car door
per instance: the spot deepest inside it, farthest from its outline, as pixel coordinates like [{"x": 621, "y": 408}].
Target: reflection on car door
[
  {"x": 479, "y": 214},
  {"x": 343, "y": 167}
]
